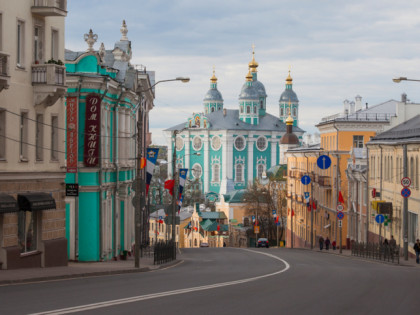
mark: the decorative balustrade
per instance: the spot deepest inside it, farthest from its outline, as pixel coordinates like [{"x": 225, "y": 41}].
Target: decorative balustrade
[{"x": 50, "y": 74}]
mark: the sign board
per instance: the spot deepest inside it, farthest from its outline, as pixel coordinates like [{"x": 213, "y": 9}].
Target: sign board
[
  {"x": 340, "y": 223},
  {"x": 340, "y": 207},
  {"x": 340, "y": 215},
  {"x": 379, "y": 218},
  {"x": 306, "y": 180},
  {"x": 274, "y": 212},
  {"x": 71, "y": 116},
  {"x": 385, "y": 208},
  {"x": 92, "y": 130},
  {"x": 72, "y": 190},
  {"x": 323, "y": 162},
  {"x": 256, "y": 229},
  {"x": 406, "y": 181},
  {"x": 406, "y": 192}
]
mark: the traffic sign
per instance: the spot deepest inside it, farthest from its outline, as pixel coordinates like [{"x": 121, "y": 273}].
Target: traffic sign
[
  {"x": 340, "y": 223},
  {"x": 323, "y": 162},
  {"x": 340, "y": 207},
  {"x": 406, "y": 181},
  {"x": 340, "y": 215},
  {"x": 256, "y": 229},
  {"x": 306, "y": 180},
  {"x": 380, "y": 218},
  {"x": 406, "y": 192},
  {"x": 274, "y": 212}
]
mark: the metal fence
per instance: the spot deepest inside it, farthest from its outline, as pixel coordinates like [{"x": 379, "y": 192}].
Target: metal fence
[
  {"x": 164, "y": 252},
  {"x": 376, "y": 251}
]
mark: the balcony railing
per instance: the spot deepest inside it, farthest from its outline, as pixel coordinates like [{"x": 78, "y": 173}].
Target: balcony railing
[
  {"x": 49, "y": 74},
  {"x": 50, "y": 7},
  {"x": 4, "y": 71},
  {"x": 324, "y": 181}
]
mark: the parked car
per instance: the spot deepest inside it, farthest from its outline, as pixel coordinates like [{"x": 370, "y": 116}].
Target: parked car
[
  {"x": 204, "y": 245},
  {"x": 263, "y": 242}
]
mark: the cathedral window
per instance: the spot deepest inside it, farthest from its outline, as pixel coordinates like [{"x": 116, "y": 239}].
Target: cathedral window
[
  {"x": 281, "y": 111},
  {"x": 255, "y": 109},
  {"x": 216, "y": 143},
  {"x": 216, "y": 173},
  {"x": 262, "y": 143},
  {"x": 294, "y": 111},
  {"x": 219, "y": 107},
  {"x": 197, "y": 143},
  {"x": 260, "y": 170},
  {"x": 239, "y": 173},
  {"x": 242, "y": 109},
  {"x": 179, "y": 143},
  {"x": 262, "y": 104},
  {"x": 248, "y": 109},
  {"x": 239, "y": 143}
]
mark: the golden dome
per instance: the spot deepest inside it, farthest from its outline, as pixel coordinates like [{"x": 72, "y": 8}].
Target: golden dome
[
  {"x": 253, "y": 65},
  {"x": 289, "y": 120},
  {"x": 213, "y": 79},
  {"x": 249, "y": 76},
  {"x": 289, "y": 79}
]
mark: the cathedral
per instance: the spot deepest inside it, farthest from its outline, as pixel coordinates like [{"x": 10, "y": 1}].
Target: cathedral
[{"x": 226, "y": 149}]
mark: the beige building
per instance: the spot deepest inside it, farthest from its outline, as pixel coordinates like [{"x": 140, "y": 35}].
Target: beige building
[{"x": 32, "y": 136}]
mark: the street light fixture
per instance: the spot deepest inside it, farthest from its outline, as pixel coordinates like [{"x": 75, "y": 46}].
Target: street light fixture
[
  {"x": 398, "y": 80},
  {"x": 140, "y": 186}
]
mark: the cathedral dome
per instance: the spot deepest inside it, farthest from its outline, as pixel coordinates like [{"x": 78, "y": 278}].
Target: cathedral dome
[
  {"x": 249, "y": 92},
  {"x": 213, "y": 95},
  {"x": 287, "y": 95}
]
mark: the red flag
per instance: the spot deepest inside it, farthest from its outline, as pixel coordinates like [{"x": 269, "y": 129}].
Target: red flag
[
  {"x": 313, "y": 205},
  {"x": 309, "y": 207},
  {"x": 143, "y": 162},
  {"x": 277, "y": 219},
  {"x": 169, "y": 184},
  {"x": 293, "y": 213},
  {"x": 340, "y": 197},
  {"x": 160, "y": 221},
  {"x": 218, "y": 227}
]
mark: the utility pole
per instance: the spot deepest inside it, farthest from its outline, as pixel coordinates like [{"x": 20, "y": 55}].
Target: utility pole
[
  {"x": 405, "y": 209},
  {"x": 312, "y": 216},
  {"x": 175, "y": 193},
  {"x": 139, "y": 190},
  {"x": 291, "y": 218}
]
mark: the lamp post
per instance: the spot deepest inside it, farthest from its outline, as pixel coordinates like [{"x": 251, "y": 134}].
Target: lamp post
[
  {"x": 398, "y": 80},
  {"x": 140, "y": 186}
]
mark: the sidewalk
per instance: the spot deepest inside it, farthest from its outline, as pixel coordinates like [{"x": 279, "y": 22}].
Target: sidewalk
[{"x": 79, "y": 269}]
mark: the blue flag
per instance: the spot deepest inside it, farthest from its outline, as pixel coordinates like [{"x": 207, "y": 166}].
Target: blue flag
[{"x": 151, "y": 155}]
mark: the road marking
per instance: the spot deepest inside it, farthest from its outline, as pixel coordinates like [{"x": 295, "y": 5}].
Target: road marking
[{"x": 82, "y": 308}]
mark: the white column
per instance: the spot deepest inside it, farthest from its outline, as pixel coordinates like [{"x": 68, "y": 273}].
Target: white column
[
  {"x": 273, "y": 141},
  {"x": 229, "y": 153},
  {"x": 206, "y": 162},
  {"x": 224, "y": 157},
  {"x": 250, "y": 144}
]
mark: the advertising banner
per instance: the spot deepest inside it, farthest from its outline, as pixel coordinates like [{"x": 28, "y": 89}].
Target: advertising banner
[
  {"x": 92, "y": 130},
  {"x": 71, "y": 123}
]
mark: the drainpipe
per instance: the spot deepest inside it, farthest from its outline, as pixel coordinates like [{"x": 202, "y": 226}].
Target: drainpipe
[
  {"x": 76, "y": 204},
  {"x": 337, "y": 192}
]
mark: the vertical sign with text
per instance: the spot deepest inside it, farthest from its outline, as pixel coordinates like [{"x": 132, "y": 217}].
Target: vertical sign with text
[
  {"x": 92, "y": 130},
  {"x": 71, "y": 113}
]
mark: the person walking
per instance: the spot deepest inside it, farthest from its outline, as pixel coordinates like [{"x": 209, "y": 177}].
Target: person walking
[
  {"x": 321, "y": 243},
  {"x": 327, "y": 243},
  {"x": 417, "y": 250},
  {"x": 334, "y": 245}
]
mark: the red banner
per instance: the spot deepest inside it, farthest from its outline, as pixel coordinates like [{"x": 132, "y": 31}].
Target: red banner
[
  {"x": 92, "y": 130},
  {"x": 71, "y": 113}
]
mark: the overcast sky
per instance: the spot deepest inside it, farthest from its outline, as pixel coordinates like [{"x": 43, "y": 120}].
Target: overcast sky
[{"x": 336, "y": 50}]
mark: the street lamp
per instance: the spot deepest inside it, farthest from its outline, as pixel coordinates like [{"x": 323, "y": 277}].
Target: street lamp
[
  {"x": 398, "y": 80},
  {"x": 140, "y": 186}
]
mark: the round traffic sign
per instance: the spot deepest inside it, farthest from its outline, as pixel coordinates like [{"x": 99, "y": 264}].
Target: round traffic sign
[
  {"x": 380, "y": 218},
  {"x": 323, "y": 162},
  {"x": 340, "y": 207},
  {"x": 340, "y": 215},
  {"x": 406, "y": 192},
  {"x": 306, "y": 180},
  {"x": 406, "y": 181}
]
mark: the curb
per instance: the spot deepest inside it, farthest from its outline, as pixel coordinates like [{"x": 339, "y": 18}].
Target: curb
[{"x": 88, "y": 274}]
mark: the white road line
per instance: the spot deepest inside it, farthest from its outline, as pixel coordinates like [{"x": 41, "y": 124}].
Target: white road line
[{"x": 92, "y": 306}]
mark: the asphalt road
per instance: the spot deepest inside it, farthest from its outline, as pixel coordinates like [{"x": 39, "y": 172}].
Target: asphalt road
[{"x": 232, "y": 281}]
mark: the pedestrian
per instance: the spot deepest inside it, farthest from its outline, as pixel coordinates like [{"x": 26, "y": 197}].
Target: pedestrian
[
  {"x": 417, "y": 250},
  {"x": 327, "y": 243},
  {"x": 386, "y": 242},
  {"x": 224, "y": 244},
  {"x": 321, "y": 243},
  {"x": 334, "y": 245},
  {"x": 392, "y": 242}
]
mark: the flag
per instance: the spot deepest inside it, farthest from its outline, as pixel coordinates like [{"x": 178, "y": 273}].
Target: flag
[
  {"x": 340, "y": 197},
  {"x": 293, "y": 213},
  {"x": 152, "y": 155},
  {"x": 277, "y": 219},
  {"x": 142, "y": 162},
  {"x": 169, "y": 184},
  {"x": 182, "y": 177},
  {"x": 313, "y": 205},
  {"x": 218, "y": 228}
]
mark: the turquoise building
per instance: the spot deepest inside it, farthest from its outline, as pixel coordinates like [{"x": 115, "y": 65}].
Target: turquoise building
[
  {"x": 101, "y": 159},
  {"x": 226, "y": 149}
]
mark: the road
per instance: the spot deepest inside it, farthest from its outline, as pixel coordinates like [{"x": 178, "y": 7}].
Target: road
[{"x": 232, "y": 281}]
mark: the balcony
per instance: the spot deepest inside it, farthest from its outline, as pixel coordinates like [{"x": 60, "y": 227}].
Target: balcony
[
  {"x": 324, "y": 181},
  {"x": 4, "y": 71},
  {"x": 48, "y": 81},
  {"x": 50, "y": 7}
]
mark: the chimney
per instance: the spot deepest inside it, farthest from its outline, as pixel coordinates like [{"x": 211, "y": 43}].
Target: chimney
[
  {"x": 224, "y": 111},
  {"x": 352, "y": 107},
  {"x": 358, "y": 103},
  {"x": 404, "y": 98},
  {"x": 346, "y": 107}
]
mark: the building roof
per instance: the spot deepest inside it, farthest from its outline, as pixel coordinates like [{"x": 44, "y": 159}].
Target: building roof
[
  {"x": 231, "y": 121},
  {"x": 213, "y": 215},
  {"x": 235, "y": 196},
  {"x": 406, "y": 131}
]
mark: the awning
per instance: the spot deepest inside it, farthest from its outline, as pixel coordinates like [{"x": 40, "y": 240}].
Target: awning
[
  {"x": 36, "y": 201},
  {"x": 327, "y": 226},
  {"x": 8, "y": 203}
]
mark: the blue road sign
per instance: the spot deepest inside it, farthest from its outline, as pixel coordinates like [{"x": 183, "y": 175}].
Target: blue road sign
[
  {"x": 323, "y": 162},
  {"x": 380, "y": 218},
  {"x": 160, "y": 217},
  {"x": 278, "y": 223},
  {"x": 306, "y": 180},
  {"x": 340, "y": 215},
  {"x": 306, "y": 194},
  {"x": 406, "y": 192},
  {"x": 274, "y": 211}
]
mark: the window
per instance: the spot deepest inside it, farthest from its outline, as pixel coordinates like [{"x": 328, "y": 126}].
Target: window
[
  {"x": 39, "y": 137},
  {"x": 242, "y": 109},
  {"x": 216, "y": 143},
  {"x": 23, "y": 136},
  {"x": 262, "y": 104},
  {"x": 412, "y": 227},
  {"x": 38, "y": 45},
  {"x": 197, "y": 171},
  {"x": 255, "y": 109},
  {"x": 54, "y": 44},
  {"x": 294, "y": 111},
  {"x": 239, "y": 143},
  {"x": 212, "y": 109},
  {"x": 27, "y": 231},
  {"x": 239, "y": 173},
  {"x": 2, "y": 134},
  {"x": 248, "y": 109},
  {"x": 357, "y": 141},
  {"x": 54, "y": 138},
  {"x": 262, "y": 143},
  {"x": 216, "y": 173},
  {"x": 197, "y": 143},
  {"x": 281, "y": 111},
  {"x": 260, "y": 170},
  {"x": 20, "y": 44}
]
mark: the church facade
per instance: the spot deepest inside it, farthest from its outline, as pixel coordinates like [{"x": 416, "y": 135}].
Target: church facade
[{"x": 226, "y": 149}]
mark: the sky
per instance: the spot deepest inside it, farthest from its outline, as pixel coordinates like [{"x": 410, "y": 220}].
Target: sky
[{"x": 335, "y": 50}]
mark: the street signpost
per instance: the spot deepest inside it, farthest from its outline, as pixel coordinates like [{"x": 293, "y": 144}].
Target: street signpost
[
  {"x": 340, "y": 207},
  {"x": 380, "y": 218},
  {"x": 406, "y": 192},
  {"x": 406, "y": 181},
  {"x": 323, "y": 162},
  {"x": 340, "y": 224},
  {"x": 340, "y": 215},
  {"x": 306, "y": 179}
]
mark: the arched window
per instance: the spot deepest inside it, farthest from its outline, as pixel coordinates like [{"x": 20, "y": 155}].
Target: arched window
[
  {"x": 239, "y": 173},
  {"x": 282, "y": 111},
  {"x": 294, "y": 111},
  {"x": 248, "y": 109},
  {"x": 216, "y": 173},
  {"x": 255, "y": 109},
  {"x": 262, "y": 104},
  {"x": 212, "y": 109},
  {"x": 260, "y": 170},
  {"x": 242, "y": 109}
]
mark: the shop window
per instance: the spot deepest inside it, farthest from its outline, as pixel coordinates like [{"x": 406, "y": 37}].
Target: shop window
[{"x": 27, "y": 231}]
